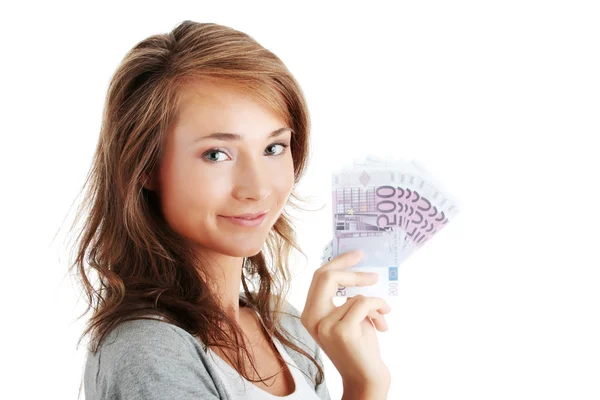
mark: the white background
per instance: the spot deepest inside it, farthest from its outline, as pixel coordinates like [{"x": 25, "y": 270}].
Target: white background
[{"x": 498, "y": 99}]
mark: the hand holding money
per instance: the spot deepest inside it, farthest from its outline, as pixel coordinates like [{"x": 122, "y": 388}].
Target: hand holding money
[
  {"x": 346, "y": 333},
  {"x": 389, "y": 209}
]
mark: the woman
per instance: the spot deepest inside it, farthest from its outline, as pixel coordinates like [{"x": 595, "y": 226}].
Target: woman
[{"x": 204, "y": 136}]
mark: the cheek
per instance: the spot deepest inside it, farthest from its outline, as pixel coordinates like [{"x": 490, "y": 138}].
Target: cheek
[
  {"x": 284, "y": 184},
  {"x": 190, "y": 197},
  {"x": 283, "y": 178},
  {"x": 206, "y": 192}
]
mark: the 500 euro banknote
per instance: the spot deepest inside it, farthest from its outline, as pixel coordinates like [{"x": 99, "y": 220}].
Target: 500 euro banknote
[{"x": 388, "y": 209}]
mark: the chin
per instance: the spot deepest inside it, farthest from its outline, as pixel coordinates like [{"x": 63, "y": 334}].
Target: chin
[{"x": 242, "y": 251}]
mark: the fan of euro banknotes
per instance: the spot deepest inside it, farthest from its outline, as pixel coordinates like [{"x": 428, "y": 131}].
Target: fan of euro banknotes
[{"x": 388, "y": 208}]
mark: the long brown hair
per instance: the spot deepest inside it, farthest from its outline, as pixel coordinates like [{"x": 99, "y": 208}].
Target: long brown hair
[{"x": 143, "y": 267}]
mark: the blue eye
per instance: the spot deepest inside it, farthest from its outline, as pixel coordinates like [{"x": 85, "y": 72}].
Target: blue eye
[
  {"x": 216, "y": 151},
  {"x": 283, "y": 145},
  {"x": 213, "y": 151}
]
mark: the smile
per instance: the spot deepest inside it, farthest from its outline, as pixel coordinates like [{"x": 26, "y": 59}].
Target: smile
[{"x": 249, "y": 222}]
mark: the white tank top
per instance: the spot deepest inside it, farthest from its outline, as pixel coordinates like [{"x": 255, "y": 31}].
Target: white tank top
[{"x": 239, "y": 388}]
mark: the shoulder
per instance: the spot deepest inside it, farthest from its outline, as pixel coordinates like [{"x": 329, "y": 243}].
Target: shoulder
[
  {"x": 147, "y": 359},
  {"x": 144, "y": 339}
]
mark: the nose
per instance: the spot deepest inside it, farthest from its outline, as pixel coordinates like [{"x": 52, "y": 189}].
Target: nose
[{"x": 253, "y": 181}]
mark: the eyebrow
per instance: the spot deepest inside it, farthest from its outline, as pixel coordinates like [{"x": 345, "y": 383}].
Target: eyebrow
[{"x": 235, "y": 136}]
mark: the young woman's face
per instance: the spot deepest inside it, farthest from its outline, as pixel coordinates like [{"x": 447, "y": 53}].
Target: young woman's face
[{"x": 202, "y": 180}]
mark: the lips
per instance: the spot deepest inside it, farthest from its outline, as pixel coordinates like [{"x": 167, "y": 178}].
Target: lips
[
  {"x": 247, "y": 222},
  {"x": 248, "y": 215}
]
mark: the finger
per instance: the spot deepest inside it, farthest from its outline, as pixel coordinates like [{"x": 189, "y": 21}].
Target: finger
[
  {"x": 340, "y": 312},
  {"x": 335, "y": 316},
  {"x": 378, "y": 321},
  {"x": 343, "y": 260},
  {"x": 364, "y": 306},
  {"x": 325, "y": 285},
  {"x": 375, "y": 318},
  {"x": 338, "y": 316},
  {"x": 322, "y": 290}
]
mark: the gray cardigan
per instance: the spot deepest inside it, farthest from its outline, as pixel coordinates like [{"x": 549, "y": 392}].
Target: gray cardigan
[{"x": 153, "y": 359}]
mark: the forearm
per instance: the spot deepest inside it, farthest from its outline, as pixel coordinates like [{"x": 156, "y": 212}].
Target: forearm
[{"x": 365, "y": 392}]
